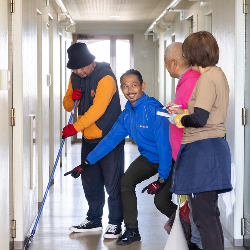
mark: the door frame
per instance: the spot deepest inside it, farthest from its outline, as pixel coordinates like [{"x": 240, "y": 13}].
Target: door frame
[{"x": 246, "y": 193}]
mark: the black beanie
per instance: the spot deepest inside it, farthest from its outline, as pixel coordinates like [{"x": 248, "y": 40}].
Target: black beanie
[{"x": 79, "y": 56}]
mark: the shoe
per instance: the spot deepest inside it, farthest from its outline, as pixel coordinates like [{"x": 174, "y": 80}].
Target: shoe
[
  {"x": 129, "y": 236},
  {"x": 113, "y": 232},
  {"x": 86, "y": 226},
  {"x": 193, "y": 246}
]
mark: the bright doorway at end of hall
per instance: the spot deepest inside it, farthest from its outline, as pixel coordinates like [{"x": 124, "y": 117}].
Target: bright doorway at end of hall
[{"x": 115, "y": 50}]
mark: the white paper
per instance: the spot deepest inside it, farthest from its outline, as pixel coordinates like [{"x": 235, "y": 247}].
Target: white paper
[{"x": 163, "y": 114}]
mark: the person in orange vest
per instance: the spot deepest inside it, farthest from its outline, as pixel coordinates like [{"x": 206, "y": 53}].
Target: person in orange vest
[{"x": 94, "y": 85}]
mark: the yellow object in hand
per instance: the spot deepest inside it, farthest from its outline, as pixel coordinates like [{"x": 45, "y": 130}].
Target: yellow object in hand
[{"x": 177, "y": 119}]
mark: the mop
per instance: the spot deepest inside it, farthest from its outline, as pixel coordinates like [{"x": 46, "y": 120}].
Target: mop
[{"x": 29, "y": 239}]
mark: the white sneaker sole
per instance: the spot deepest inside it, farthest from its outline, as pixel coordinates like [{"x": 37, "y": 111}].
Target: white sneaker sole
[
  {"x": 76, "y": 230},
  {"x": 111, "y": 236}
]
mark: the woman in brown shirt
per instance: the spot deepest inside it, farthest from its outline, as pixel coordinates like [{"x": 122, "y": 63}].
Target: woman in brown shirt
[{"x": 203, "y": 165}]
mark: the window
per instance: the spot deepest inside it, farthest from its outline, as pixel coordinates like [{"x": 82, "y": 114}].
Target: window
[{"x": 116, "y": 50}]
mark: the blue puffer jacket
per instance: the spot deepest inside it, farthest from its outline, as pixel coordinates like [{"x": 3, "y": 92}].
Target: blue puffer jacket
[{"x": 149, "y": 130}]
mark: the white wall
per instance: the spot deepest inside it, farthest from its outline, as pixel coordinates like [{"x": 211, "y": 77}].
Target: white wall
[
  {"x": 229, "y": 32},
  {"x": 31, "y": 96}
]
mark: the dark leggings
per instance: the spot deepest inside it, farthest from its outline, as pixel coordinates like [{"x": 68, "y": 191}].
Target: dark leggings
[
  {"x": 206, "y": 217},
  {"x": 140, "y": 170}
]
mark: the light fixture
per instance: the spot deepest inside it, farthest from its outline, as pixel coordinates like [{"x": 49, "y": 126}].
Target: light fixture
[
  {"x": 163, "y": 23},
  {"x": 71, "y": 28},
  {"x": 114, "y": 16},
  {"x": 61, "y": 5},
  {"x": 65, "y": 22},
  {"x": 158, "y": 29},
  {"x": 64, "y": 10},
  {"x": 170, "y": 6},
  {"x": 174, "y": 3}
]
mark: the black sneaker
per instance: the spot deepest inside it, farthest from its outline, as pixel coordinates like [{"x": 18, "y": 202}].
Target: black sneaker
[
  {"x": 112, "y": 232},
  {"x": 86, "y": 226},
  {"x": 193, "y": 246},
  {"x": 129, "y": 236}
]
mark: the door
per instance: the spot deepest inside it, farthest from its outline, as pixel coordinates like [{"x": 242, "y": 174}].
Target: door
[
  {"x": 12, "y": 223},
  {"x": 5, "y": 195},
  {"x": 246, "y": 205}
]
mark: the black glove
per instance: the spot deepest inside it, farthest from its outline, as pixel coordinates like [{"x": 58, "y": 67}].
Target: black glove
[
  {"x": 77, "y": 170},
  {"x": 155, "y": 186}
]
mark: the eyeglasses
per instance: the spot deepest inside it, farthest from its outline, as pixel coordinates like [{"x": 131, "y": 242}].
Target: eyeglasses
[{"x": 183, "y": 55}]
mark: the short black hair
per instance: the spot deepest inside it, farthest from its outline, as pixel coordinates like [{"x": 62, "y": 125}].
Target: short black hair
[
  {"x": 201, "y": 49},
  {"x": 132, "y": 72}
]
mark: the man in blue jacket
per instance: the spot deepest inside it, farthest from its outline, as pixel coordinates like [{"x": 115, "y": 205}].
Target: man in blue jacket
[{"x": 150, "y": 131}]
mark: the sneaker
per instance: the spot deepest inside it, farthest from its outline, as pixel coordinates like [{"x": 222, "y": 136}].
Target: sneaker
[
  {"x": 129, "y": 236},
  {"x": 86, "y": 226},
  {"x": 193, "y": 246},
  {"x": 113, "y": 232}
]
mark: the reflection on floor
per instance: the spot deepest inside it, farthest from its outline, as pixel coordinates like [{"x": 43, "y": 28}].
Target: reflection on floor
[{"x": 67, "y": 206}]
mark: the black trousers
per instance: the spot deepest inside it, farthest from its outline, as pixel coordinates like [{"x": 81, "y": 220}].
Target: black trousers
[
  {"x": 107, "y": 172},
  {"x": 140, "y": 170},
  {"x": 206, "y": 217}
]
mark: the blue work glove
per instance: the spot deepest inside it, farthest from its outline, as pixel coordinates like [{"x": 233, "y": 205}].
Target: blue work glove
[
  {"x": 171, "y": 119},
  {"x": 155, "y": 186},
  {"x": 77, "y": 170}
]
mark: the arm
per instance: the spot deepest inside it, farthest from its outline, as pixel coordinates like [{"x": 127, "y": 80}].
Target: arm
[
  {"x": 105, "y": 90},
  {"x": 109, "y": 142},
  {"x": 68, "y": 102},
  {"x": 205, "y": 99},
  {"x": 161, "y": 132},
  {"x": 197, "y": 119}
]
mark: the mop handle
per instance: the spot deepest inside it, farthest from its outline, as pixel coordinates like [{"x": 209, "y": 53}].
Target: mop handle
[{"x": 51, "y": 177}]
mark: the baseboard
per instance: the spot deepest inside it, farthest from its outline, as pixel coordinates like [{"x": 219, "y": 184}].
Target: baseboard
[
  {"x": 234, "y": 242},
  {"x": 18, "y": 245},
  {"x": 39, "y": 205},
  {"x": 52, "y": 182},
  {"x": 127, "y": 139},
  {"x": 21, "y": 244}
]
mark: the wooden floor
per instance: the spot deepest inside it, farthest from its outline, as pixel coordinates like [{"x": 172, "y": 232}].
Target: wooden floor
[{"x": 66, "y": 206}]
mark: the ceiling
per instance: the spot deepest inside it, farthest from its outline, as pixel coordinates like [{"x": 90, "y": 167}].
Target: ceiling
[{"x": 131, "y": 11}]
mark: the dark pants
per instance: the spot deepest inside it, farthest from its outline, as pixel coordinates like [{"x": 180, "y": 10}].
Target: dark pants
[
  {"x": 140, "y": 170},
  {"x": 107, "y": 172},
  {"x": 206, "y": 217}
]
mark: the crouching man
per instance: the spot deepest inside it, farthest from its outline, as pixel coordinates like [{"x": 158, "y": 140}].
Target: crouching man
[{"x": 150, "y": 131}]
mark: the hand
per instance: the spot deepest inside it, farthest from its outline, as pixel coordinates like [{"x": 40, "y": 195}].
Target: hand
[
  {"x": 171, "y": 119},
  {"x": 77, "y": 94},
  {"x": 68, "y": 130},
  {"x": 177, "y": 121},
  {"x": 174, "y": 110},
  {"x": 77, "y": 170},
  {"x": 154, "y": 187}
]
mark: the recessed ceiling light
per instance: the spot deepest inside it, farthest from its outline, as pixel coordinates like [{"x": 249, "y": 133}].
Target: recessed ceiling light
[{"x": 114, "y": 16}]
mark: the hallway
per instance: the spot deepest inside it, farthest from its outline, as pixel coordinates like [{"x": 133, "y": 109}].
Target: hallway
[{"x": 66, "y": 206}]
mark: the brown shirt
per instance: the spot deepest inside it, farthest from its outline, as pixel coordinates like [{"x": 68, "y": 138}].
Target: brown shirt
[{"x": 210, "y": 93}]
